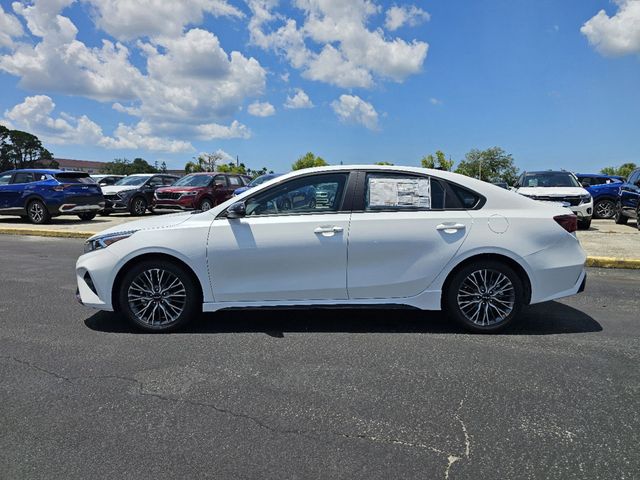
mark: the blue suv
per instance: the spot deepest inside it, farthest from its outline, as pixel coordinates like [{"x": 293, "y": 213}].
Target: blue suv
[
  {"x": 604, "y": 189},
  {"x": 628, "y": 205},
  {"x": 39, "y": 194}
]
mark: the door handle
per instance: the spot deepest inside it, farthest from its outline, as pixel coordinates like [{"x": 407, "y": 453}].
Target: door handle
[
  {"x": 329, "y": 229},
  {"x": 450, "y": 227}
]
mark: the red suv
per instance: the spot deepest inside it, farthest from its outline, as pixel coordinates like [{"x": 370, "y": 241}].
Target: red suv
[{"x": 198, "y": 191}]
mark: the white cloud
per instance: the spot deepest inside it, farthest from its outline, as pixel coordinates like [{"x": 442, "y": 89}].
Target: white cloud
[
  {"x": 406, "y": 15},
  {"x": 352, "y": 109},
  {"x": 334, "y": 44},
  {"x": 299, "y": 100},
  {"x": 617, "y": 35},
  {"x": 261, "y": 109},
  {"x": 435, "y": 101},
  {"x": 10, "y": 28},
  {"x": 189, "y": 85},
  {"x": 34, "y": 115},
  {"x": 130, "y": 19}
]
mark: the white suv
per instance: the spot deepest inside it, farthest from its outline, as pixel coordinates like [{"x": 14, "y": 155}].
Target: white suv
[{"x": 558, "y": 187}]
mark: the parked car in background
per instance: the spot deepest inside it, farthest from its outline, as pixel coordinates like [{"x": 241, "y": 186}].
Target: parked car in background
[
  {"x": 628, "y": 204},
  {"x": 256, "y": 181},
  {"x": 198, "y": 191},
  {"x": 104, "y": 180},
  {"x": 604, "y": 190},
  {"x": 558, "y": 186},
  {"x": 134, "y": 193},
  {"x": 592, "y": 179},
  {"x": 423, "y": 238},
  {"x": 40, "y": 194}
]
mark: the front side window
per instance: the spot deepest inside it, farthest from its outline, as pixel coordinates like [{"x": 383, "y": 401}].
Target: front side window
[
  {"x": 310, "y": 194},
  {"x": 23, "y": 177},
  {"x": 132, "y": 181},
  {"x": 390, "y": 191}
]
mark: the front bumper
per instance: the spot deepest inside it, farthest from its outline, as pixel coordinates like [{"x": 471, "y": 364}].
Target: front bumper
[
  {"x": 182, "y": 203},
  {"x": 94, "y": 279},
  {"x": 584, "y": 211}
]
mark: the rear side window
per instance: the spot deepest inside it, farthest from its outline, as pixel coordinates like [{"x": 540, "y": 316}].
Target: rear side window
[
  {"x": 466, "y": 198},
  {"x": 220, "y": 181},
  {"x": 169, "y": 180},
  {"x": 23, "y": 177},
  {"x": 235, "y": 181},
  {"x": 73, "y": 177},
  {"x": 393, "y": 191}
]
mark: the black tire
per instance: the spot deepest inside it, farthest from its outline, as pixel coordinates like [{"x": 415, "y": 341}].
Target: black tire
[
  {"x": 461, "y": 306},
  {"x": 619, "y": 217},
  {"x": 605, "y": 208},
  {"x": 584, "y": 224},
  {"x": 105, "y": 213},
  {"x": 87, "y": 216},
  {"x": 138, "y": 206},
  {"x": 133, "y": 307},
  {"x": 38, "y": 213},
  {"x": 206, "y": 204}
]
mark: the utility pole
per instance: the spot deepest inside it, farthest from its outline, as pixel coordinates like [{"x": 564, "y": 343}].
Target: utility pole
[{"x": 237, "y": 160}]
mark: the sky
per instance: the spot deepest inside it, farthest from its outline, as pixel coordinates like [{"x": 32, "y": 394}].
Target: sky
[{"x": 556, "y": 84}]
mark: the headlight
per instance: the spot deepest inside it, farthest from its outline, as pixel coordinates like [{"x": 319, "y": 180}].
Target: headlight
[
  {"x": 189, "y": 194},
  {"x": 585, "y": 198},
  {"x": 103, "y": 241}
]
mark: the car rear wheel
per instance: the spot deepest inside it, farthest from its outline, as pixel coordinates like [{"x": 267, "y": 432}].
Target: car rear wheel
[
  {"x": 205, "y": 205},
  {"x": 619, "y": 217},
  {"x": 484, "y": 297},
  {"x": 604, "y": 209},
  {"x": 87, "y": 216},
  {"x": 138, "y": 206},
  {"x": 38, "y": 213},
  {"x": 159, "y": 296}
]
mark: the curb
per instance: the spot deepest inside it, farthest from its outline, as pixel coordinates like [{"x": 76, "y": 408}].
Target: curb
[
  {"x": 46, "y": 233},
  {"x": 611, "y": 262},
  {"x": 600, "y": 262}
]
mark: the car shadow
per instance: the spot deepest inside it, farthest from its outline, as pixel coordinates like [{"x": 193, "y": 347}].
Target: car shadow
[{"x": 544, "y": 319}]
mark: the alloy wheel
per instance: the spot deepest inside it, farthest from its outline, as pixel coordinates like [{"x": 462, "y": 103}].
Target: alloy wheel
[
  {"x": 486, "y": 297},
  {"x": 205, "y": 205},
  {"x": 605, "y": 209},
  {"x": 36, "y": 212},
  {"x": 157, "y": 297},
  {"x": 139, "y": 206}
]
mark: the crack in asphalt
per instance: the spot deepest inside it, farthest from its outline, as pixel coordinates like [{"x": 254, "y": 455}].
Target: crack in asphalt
[{"x": 451, "y": 458}]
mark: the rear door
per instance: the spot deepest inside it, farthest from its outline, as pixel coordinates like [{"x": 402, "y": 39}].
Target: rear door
[
  {"x": 235, "y": 182},
  {"x": 401, "y": 236}
]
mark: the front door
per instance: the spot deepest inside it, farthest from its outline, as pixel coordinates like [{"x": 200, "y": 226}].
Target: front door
[
  {"x": 403, "y": 237},
  {"x": 5, "y": 180},
  {"x": 281, "y": 252}
]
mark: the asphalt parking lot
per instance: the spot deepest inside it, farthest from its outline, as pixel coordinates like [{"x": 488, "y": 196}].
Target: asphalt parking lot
[{"x": 313, "y": 393}]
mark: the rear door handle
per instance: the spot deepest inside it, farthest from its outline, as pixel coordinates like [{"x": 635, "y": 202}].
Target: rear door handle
[
  {"x": 450, "y": 227},
  {"x": 328, "y": 229}
]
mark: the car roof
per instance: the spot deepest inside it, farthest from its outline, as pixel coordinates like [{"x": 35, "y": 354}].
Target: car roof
[
  {"x": 39, "y": 170},
  {"x": 593, "y": 175},
  {"x": 538, "y": 172}
]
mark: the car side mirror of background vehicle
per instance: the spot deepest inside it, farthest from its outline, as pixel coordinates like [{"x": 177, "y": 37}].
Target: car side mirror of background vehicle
[
  {"x": 236, "y": 210},
  {"x": 585, "y": 185}
]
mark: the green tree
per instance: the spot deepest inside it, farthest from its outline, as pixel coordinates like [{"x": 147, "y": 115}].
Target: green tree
[
  {"x": 122, "y": 166},
  {"x": 232, "y": 168},
  {"x": 438, "y": 161},
  {"x": 489, "y": 165},
  {"x": 383, "y": 163},
  {"x": 163, "y": 167},
  {"x": 309, "y": 160},
  {"x": 22, "y": 150},
  {"x": 623, "y": 170}
]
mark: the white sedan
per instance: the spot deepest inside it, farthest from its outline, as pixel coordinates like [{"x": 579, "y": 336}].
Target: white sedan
[{"x": 382, "y": 235}]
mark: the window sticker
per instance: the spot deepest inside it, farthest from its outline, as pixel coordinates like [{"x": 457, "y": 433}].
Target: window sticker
[{"x": 400, "y": 192}]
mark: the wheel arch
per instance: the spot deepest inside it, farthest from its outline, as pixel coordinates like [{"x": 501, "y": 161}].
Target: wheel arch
[
  {"x": 145, "y": 257},
  {"x": 514, "y": 264}
]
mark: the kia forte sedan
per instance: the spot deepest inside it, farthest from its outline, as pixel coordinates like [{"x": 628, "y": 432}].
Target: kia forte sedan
[{"x": 421, "y": 238}]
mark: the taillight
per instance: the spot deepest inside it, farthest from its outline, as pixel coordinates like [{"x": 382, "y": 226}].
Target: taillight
[
  {"x": 60, "y": 188},
  {"x": 568, "y": 222}
]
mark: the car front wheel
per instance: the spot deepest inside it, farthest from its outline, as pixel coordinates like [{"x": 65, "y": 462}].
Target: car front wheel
[
  {"x": 87, "y": 216},
  {"x": 138, "y": 206},
  {"x": 619, "y": 217},
  {"x": 159, "y": 296},
  {"x": 484, "y": 296},
  {"x": 205, "y": 205}
]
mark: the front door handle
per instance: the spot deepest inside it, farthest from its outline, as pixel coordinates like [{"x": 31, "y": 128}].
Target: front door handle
[
  {"x": 328, "y": 229},
  {"x": 450, "y": 227}
]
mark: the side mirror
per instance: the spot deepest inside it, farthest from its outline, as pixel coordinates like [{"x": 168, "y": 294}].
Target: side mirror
[
  {"x": 585, "y": 185},
  {"x": 236, "y": 210}
]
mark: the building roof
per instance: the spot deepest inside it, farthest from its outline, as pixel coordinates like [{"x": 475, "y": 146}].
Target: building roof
[{"x": 68, "y": 163}]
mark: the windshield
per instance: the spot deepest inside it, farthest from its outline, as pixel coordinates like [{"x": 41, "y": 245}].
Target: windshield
[
  {"x": 257, "y": 181},
  {"x": 549, "y": 179},
  {"x": 193, "y": 181},
  {"x": 133, "y": 180}
]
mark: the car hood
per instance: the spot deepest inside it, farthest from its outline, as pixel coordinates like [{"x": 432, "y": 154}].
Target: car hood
[
  {"x": 156, "y": 222},
  {"x": 118, "y": 188},
  {"x": 551, "y": 191}
]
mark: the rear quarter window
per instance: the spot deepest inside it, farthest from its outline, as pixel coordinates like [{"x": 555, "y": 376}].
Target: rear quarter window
[{"x": 462, "y": 198}]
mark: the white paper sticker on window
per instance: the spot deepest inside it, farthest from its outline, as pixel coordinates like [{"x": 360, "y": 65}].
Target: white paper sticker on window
[{"x": 400, "y": 192}]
